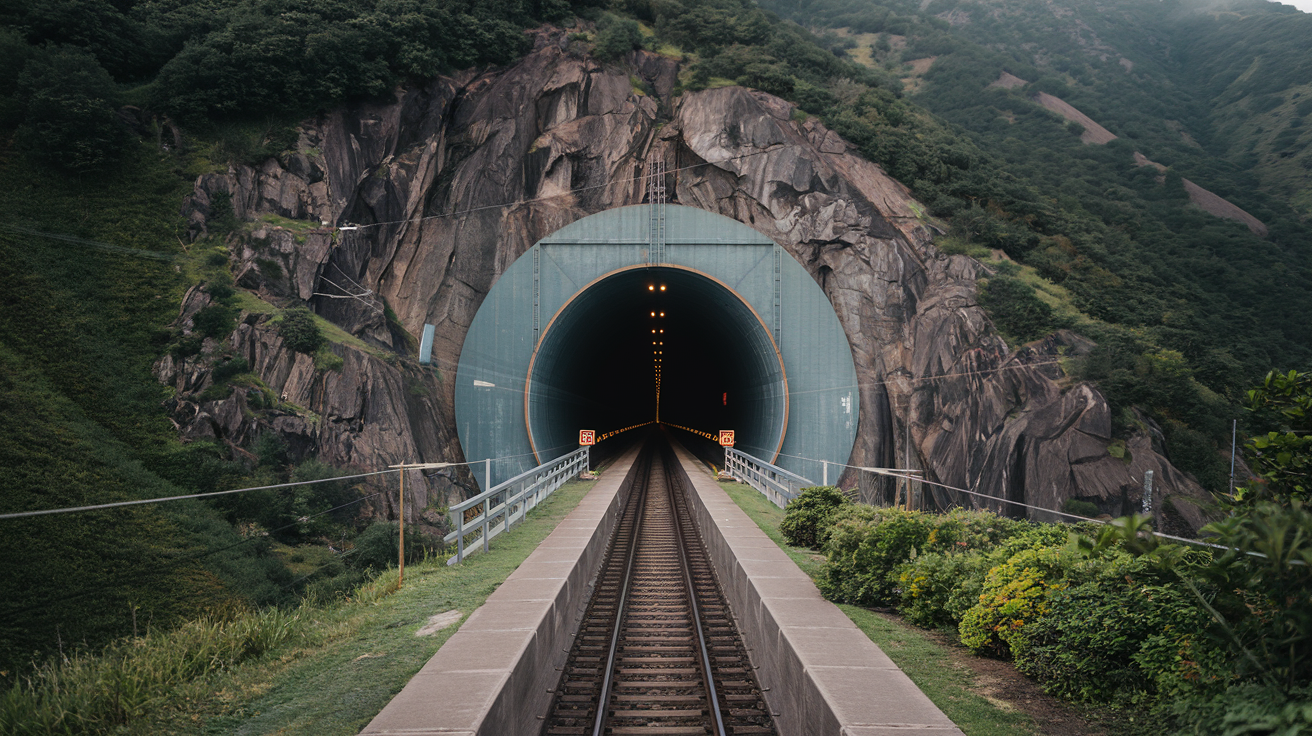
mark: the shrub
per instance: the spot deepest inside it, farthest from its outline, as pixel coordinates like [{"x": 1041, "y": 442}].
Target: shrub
[
  {"x": 1080, "y": 508},
  {"x": 71, "y": 118},
  {"x": 215, "y": 321},
  {"x": 228, "y": 369},
  {"x": 938, "y": 589},
  {"x": 270, "y": 448},
  {"x": 185, "y": 347},
  {"x": 1122, "y": 636},
  {"x": 299, "y": 330},
  {"x": 808, "y": 512},
  {"x": 1015, "y": 309},
  {"x": 864, "y": 554},
  {"x": 1015, "y": 592},
  {"x": 221, "y": 221},
  {"x": 326, "y": 360},
  {"x": 1246, "y": 709},
  {"x": 616, "y": 37},
  {"x": 377, "y": 546}
]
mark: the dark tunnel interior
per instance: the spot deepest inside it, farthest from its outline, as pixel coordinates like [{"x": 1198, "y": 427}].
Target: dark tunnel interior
[{"x": 650, "y": 335}]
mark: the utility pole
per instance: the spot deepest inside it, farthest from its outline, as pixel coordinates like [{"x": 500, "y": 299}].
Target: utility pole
[
  {"x": 400, "y": 547},
  {"x": 1234, "y": 435}
]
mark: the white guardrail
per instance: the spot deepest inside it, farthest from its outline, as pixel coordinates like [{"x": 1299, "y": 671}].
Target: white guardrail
[
  {"x": 495, "y": 510},
  {"x": 775, "y": 483}
]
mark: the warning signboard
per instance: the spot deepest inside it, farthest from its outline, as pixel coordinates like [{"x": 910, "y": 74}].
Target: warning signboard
[
  {"x": 726, "y": 438},
  {"x": 587, "y": 437}
]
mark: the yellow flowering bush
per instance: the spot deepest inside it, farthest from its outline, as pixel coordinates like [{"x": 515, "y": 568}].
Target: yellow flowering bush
[{"x": 1015, "y": 592}]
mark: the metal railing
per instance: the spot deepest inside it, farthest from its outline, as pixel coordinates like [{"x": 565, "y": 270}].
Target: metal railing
[
  {"x": 775, "y": 483},
  {"x": 495, "y": 510}
]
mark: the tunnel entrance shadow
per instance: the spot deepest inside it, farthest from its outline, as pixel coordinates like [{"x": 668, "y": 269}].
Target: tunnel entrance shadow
[{"x": 658, "y": 342}]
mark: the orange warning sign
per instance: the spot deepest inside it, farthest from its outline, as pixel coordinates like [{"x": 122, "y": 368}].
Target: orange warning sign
[
  {"x": 587, "y": 437},
  {"x": 726, "y": 437}
]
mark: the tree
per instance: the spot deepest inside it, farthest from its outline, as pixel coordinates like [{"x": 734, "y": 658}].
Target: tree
[
  {"x": 300, "y": 331},
  {"x": 70, "y": 103},
  {"x": 1282, "y": 458}
]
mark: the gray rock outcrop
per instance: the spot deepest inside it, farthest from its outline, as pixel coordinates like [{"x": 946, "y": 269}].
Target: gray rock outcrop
[{"x": 460, "y": 177}]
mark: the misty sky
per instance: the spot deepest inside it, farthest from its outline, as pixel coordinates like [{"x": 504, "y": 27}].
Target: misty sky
[{"x": 1303, "y": 5}]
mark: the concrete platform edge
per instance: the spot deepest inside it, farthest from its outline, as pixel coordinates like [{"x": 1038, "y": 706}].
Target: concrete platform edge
[
  {"x": 823, "y": 674},
  {"x": 493, "y": 676}
]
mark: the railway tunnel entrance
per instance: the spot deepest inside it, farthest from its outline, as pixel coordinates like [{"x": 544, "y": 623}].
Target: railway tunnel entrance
[{"x": 656, "y": 313}]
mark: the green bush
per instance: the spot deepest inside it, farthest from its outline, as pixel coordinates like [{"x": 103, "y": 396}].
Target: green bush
[
  {"x": 1126, "y": 635},
  {"x": 867, "y": 546},
  {"x": 1260, "y": 587},
  {"x": 71, "y": 103},
  {"x": 326, "y": 360},
  {"x": 1015, "y": 593},
  {"x": 808, "y": 512},
  {"x": 270, "y": 448},
  {"x": 216, "y": 321},
  {"x": 616, "y": 37},
  {"x": 377, "y": 546},
  {"x": 937, "y": 589},
  {"x": 185, "y": 347},
  {"x": 1246, "y": 710},
  {"x": 228, "y": 369},
  {"x": 1015, "y": 309},
  {"x": 299, "y": 330},
  {"x": 864, "y": 554}
]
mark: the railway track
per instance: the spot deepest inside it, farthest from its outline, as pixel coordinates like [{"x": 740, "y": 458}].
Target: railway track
[{"x": 657, "y": 651}]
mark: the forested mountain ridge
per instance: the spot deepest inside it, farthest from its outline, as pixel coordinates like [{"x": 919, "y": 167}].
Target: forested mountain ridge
[{"x": 1128, "y": 246}]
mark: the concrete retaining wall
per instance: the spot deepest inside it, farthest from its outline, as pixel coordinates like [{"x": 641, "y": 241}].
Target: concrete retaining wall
[
  {"x": 821, "y": 674},
  {"x": 493, "y": 676}
]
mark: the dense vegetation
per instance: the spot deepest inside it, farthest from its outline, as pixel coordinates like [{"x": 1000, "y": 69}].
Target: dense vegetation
[{"x": 1179, "y": 301}]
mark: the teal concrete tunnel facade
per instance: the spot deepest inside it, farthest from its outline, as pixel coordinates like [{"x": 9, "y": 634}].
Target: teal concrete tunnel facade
[{"x": 640, "y": 310}]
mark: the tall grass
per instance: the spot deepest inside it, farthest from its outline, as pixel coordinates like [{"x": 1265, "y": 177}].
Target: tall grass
[{"x": 132, "y": 679}]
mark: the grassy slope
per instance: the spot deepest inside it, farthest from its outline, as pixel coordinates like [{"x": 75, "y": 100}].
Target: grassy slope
[
  {"x": 83, "y": 421},
  {"x": 338, "y": 687},
  {"x": 925, "y": 661}
]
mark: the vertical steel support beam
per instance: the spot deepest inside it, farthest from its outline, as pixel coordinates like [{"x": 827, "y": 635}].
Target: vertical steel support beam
[
  {"x": 537, "y": 294},
  {"x": 778, "y": 301}
]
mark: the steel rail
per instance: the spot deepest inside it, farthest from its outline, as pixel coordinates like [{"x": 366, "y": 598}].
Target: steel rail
[
  {"x": 603, "y": 701},
  {"x": 679, "y": 512}
]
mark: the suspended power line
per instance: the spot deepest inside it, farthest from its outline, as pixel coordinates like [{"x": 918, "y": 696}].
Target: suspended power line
[{"x": 108, "y": 247}]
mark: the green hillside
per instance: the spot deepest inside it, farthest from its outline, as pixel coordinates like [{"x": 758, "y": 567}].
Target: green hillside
[{"x": 1188, "y": 307}]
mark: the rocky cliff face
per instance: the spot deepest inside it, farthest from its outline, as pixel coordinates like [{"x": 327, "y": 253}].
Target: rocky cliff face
[{"x": 459, "y": 178}]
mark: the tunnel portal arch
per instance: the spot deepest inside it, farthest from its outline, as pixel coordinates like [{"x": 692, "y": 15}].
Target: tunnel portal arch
[{"x": 562, "y": 342}]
